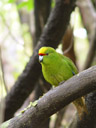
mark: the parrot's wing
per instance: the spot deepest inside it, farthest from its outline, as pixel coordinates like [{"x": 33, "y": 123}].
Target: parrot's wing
[{"x": 70, "y": 64}]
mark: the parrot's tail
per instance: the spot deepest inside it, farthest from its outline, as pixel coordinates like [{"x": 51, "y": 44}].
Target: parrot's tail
[{"x": 80, "y": 106}]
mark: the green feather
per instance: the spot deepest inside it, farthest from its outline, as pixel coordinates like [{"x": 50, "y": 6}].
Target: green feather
[{"x": 56, "y": 67}]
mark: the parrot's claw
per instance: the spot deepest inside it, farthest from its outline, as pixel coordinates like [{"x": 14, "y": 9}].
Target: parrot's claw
[{"x": 61, "y": 82}]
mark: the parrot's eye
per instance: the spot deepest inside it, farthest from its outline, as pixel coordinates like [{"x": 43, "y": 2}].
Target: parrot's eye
[{"x": 46, "y": 53}]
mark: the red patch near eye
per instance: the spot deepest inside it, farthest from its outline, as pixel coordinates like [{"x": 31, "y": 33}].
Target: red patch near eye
[{"x": 41, "y": 54}]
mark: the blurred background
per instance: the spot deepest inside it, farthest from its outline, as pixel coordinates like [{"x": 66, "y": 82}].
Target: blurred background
[{"x": 18, "y": 29}]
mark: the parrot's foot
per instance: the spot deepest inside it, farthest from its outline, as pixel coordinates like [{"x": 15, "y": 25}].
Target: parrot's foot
[
  {"x": 82, "y": 111},
  {"x": 81, "y": 107},
  {"x": 61, "y": 82}
]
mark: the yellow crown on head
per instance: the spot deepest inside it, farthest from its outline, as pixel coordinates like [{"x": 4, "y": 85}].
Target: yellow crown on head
[{"x": 43, "y": 49}]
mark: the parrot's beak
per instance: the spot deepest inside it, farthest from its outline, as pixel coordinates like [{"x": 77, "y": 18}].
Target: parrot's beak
[{"x": 40, "y": 58}]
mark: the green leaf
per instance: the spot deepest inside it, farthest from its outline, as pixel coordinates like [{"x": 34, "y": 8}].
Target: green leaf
[
  {"x": 22, "y": 4},
  {"x": 23, "y": 110},
  {"x": 53, "y": 4},
  {"x": 34, "y": 103},
  {"x": 30, "y": 5},
  {"x": 11, "y": 1}
]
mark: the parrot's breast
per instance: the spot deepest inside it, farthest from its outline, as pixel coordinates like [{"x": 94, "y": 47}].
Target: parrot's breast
[
  {"x": 57, "y": 68},
  {"x": 51, "y": 77},
  {"x": 56, "y": 74}
]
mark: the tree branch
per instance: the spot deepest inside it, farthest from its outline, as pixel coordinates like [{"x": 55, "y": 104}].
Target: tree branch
[
  {"x": 91, "y": 52},
  {"x": 55, "y": 99},
  {"x": 51, "y": 36},
  {"x": 87, "y": 10},
  {"x": 42, "y": 10},
  {"x": 3, "y": 73}
]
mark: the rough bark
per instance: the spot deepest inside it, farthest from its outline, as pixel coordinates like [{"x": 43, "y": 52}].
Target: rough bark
[
  {"x": 51, "y": 36},
  {"x": 39, "y": 91},
  {"x": 55, "y": 99}
]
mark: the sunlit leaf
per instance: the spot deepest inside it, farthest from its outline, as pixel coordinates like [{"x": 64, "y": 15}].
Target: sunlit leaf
[
  {"x": 22, "y": 4},
  {"x": 30, "y": 5},
  {"x": 53, "y": 4},
  {"x": 34, "y": 103},
  {"x": 11, "y": 1}
]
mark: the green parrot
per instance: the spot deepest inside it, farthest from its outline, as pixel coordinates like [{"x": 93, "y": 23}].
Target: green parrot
[{"x": 57, "y": 68}]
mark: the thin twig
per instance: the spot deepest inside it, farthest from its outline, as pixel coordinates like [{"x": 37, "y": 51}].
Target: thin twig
[
  {"x": 2, "y": 69},
  {"x": 13, "y": 37},
  {"x": 91, "y": 53},
  {"x": 70, "y": 46},
  {"x": 59, "y": 118},
  {"x": 10, "y": 33}
]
